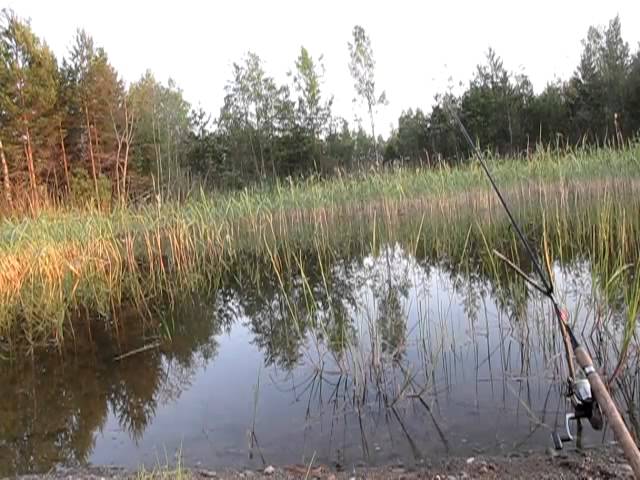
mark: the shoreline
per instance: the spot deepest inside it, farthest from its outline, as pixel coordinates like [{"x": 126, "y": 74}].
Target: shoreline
[{"x": 604, "y": 462}]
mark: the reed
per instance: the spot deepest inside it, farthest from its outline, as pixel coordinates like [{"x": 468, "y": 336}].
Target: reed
[
  {"x": 167, "y": 471},
  {"x": 67, "y": 264}
]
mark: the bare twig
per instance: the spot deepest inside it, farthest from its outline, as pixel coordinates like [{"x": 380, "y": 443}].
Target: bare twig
[{"x": 142, "y": 349}]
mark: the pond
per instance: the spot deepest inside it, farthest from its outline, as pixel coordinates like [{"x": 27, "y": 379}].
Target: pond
[{"x": 370, "y": 358}]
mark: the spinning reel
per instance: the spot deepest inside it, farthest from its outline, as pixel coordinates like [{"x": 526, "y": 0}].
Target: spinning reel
[{"x": 584, "y": 406}]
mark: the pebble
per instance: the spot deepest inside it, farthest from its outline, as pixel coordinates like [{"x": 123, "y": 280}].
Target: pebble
[
  {"x": 269, "y": 470},
  {"x": 208, "y": 473},
  {"x": 625, "y": 467}
]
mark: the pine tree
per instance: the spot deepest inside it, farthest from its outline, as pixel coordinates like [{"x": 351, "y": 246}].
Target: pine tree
[
  {"x": 28, "y": 73},
  {"x": 95, "y": 96}
]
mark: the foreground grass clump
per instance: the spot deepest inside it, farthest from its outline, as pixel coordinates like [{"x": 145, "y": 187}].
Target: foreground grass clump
[{"x": 67, "y": 264}]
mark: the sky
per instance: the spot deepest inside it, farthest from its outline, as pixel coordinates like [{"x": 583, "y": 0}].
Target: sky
[{"x": 420, "y": 47}]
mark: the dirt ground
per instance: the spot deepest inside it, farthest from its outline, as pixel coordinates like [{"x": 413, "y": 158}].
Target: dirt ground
[{"x": 601, "y": 463}]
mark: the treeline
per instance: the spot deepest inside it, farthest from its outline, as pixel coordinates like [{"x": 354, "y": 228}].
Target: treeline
[
  {"x": 599, "y": 104},
  {"x": 73, "y": 131}
]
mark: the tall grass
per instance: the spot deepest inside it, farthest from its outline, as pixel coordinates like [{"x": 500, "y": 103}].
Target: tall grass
[{"x": 67, "y": 264}]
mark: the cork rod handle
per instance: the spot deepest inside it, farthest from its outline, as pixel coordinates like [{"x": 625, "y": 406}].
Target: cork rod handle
[{"x": 610, "y": 410}]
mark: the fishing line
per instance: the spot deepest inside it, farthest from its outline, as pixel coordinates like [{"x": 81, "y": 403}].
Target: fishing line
[
  {"x": 585, "y": 405},
  {"x": 548, "y": 286}
]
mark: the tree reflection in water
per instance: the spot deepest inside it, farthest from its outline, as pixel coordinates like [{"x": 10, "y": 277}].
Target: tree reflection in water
[
  {"x": 365, "y": 329},
  {"x": 52, "y": 407}
]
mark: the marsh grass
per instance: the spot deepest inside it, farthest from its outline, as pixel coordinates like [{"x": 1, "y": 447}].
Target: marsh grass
[
  {"x": 395, "y": 363},
  {"x": 166, "y": 471},
  {"x": 71, "y": 264}
]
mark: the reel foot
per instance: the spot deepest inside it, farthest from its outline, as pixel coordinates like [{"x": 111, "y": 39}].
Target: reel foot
[
  {"x": 557, "y": 440},
  {"x": 596, "y": 417}
]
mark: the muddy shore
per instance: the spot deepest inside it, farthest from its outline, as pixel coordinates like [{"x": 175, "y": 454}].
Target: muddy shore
[{"x": 599, "y": 463}]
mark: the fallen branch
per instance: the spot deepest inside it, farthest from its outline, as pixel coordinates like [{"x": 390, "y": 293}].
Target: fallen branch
[{"x": 144, "y": 348}]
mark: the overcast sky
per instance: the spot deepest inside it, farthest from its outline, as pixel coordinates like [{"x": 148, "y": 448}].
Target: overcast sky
[{"x": 418, "y": 45}]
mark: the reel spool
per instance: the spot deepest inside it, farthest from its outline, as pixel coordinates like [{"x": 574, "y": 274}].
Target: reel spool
[{"x": 584, "y": 406}]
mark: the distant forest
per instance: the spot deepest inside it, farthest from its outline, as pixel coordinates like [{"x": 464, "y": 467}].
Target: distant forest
[{"x": 72, "y": 130}]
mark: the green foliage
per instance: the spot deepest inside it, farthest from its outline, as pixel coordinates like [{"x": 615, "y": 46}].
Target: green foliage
[
  {"x": 633, "y": 95},
  {"x": 205, "y": 156},
  {"x": 409, "y": 143},
  {"x": 599, "y": 82},
  {"x": 83, "y": 194},
  {"x": 29, "y": 79},
  {"x": 255, "y": 110},
  {"x": 163, "y": 130},
  {"x": 549, "y": 115},
  {"x": 313, "y": 113},
  {"x": 340, "y": 145},
  {"x": 494, "y": 106},
  {"x": 93, "y": 95},
  {"x": 146, "y": 140}
]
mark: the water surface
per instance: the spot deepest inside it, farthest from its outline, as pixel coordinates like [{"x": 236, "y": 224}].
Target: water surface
[{"x": 369, "y": 359}]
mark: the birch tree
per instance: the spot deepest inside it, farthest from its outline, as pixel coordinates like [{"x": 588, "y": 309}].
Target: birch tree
[{"x": 362, "y": 68}]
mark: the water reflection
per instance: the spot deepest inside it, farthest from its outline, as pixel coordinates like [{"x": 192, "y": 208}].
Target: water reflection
[
  {"x": 53, "y": 407},
  {"x": 352, "y": 358}
]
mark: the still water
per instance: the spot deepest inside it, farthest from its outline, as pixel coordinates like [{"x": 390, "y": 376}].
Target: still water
[{"x": 368, "y": 360}]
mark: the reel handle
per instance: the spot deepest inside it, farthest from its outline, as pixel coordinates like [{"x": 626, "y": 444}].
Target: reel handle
[{"x": 609, "y": 409}]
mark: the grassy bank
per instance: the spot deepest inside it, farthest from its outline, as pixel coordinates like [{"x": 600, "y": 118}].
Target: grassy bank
[{"x": 68, "y": 264}]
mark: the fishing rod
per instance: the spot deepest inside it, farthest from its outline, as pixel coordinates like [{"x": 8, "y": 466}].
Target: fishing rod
[{"x": 585, "y": 405}]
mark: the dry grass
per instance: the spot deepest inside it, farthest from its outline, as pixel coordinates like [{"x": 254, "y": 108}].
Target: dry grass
[{"x": 65, "y": 262}]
